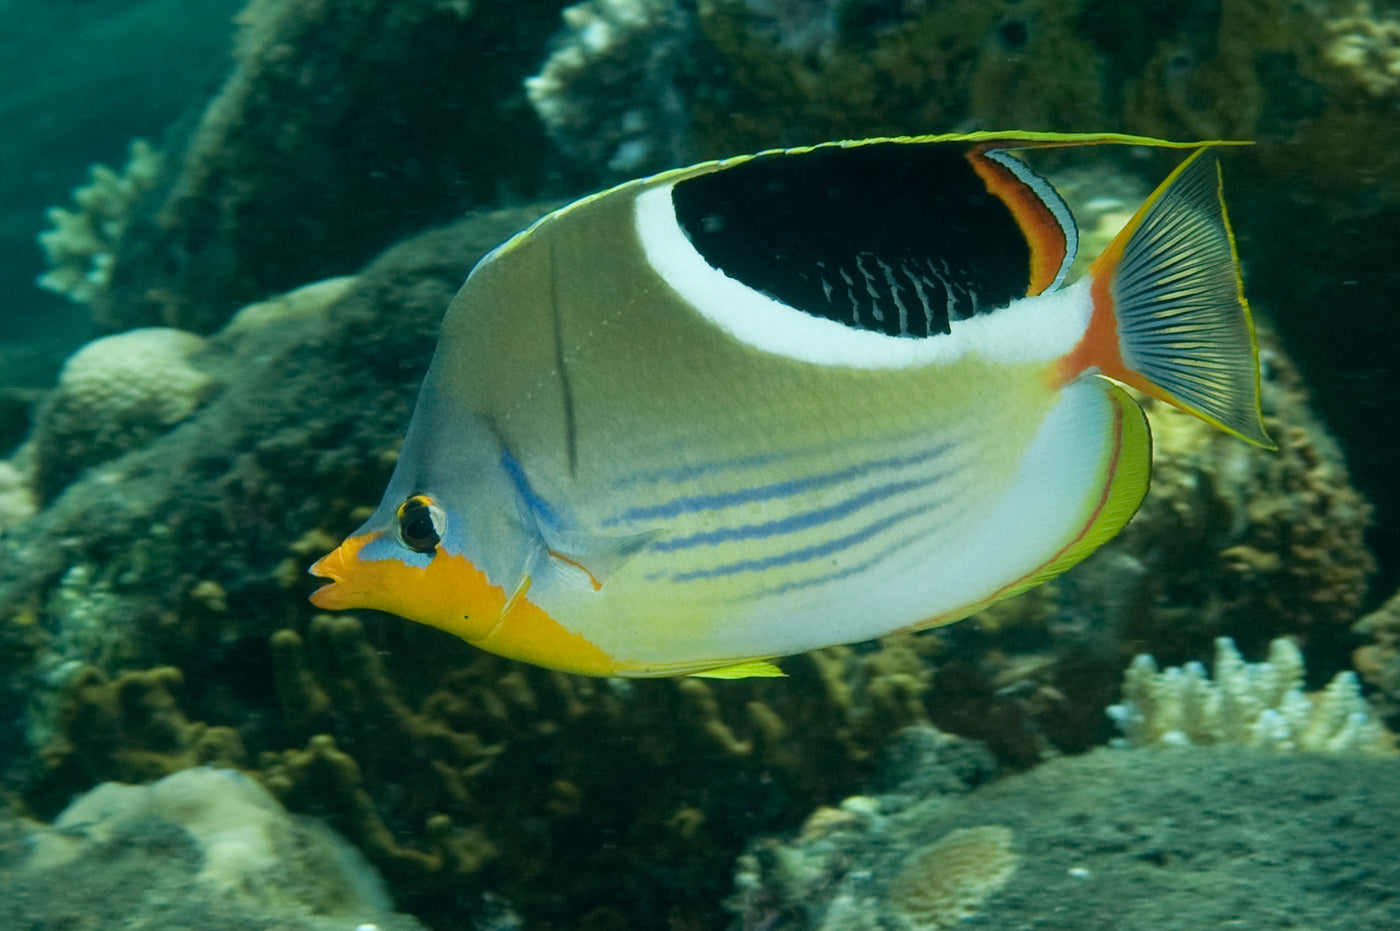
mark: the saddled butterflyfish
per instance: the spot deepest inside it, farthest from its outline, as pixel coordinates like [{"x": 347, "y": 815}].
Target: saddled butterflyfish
[{"x": 801, "y": 398}]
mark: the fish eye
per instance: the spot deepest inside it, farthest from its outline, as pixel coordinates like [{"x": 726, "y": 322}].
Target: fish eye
[{"x": 421, "y": 523}]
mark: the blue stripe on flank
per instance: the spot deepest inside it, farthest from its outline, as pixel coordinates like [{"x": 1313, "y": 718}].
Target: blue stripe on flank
[
  {"x": 844, "y": 571},
  {"x": 537, "y": 505},
  {"x": 689, "y": 473},
  {"x": 807, "y": 553},
  {"x": 796, "y": 522},
  {"x": 690, "y": 504}
]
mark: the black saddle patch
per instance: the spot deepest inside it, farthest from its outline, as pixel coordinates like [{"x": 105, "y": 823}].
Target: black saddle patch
[{"x": 898, "y": 238}]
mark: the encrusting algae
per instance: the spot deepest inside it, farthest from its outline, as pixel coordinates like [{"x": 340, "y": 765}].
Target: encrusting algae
[{"x": 944, "y": 883}]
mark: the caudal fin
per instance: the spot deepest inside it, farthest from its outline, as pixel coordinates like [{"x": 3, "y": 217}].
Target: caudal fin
[{"x": 1171, "y": 279}]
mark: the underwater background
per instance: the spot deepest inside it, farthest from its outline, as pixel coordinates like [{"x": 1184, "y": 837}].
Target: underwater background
[{"x": 211, "y": 347}]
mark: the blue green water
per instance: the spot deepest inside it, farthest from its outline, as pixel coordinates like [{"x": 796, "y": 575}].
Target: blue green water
[{"x": 82, "y": 79}]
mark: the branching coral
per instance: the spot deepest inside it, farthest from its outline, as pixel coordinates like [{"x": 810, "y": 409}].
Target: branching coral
[
  {"x": 81, "y": 246},
  {"x": 432, "y": 772},
  {"x": 127, "y": 729},
  {"x": 1248, "y": 704}
]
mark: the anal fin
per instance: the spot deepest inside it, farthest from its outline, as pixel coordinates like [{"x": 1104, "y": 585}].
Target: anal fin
[{"x": 747, "y": 669}]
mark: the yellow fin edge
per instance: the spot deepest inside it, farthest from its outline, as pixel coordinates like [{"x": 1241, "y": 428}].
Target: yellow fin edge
[
  {"x": 750, "y": 668},
  {"x": 1127, "y": 486}
]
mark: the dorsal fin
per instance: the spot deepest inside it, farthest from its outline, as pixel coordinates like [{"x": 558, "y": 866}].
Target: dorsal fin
[
  {"x": 898, "y": 237},
  {"x": 1043, "y": 216}
]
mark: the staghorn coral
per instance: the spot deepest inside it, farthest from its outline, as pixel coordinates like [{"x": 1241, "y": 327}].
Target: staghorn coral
[
  {"x": 1252, "y": 705},
  {"x": 81, "y": 246},
  {"x": 114, "y": 395}
]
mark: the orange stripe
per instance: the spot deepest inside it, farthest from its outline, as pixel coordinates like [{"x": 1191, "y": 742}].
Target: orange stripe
[
  {"x": 452, "y": 594},
  {"x": 1042, "y": 231},
  {"x": 1098, "y": 349}
]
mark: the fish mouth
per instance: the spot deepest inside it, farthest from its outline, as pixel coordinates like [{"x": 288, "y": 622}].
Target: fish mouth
[{"x": 331, "y": 566}]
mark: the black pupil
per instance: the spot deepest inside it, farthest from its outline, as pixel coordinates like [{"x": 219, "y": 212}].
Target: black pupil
[{"x": 418, "y": 530}]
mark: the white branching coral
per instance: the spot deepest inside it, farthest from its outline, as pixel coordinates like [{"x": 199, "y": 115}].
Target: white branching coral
[
  {"x": 81, "y": 244},
  {"x": 1247, "y": 704}
]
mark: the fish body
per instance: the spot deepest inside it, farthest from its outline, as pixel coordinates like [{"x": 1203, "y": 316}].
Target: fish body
[{"x": 774, "y": 403}]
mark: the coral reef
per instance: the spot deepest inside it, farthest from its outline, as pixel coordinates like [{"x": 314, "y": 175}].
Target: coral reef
[
  {"x": 855, "y": 865},
  {"x": 1378, "y": 660},
  {"x": 112, "y": 396},
  {"x": 1247, "y": 704},
  {"x": 200, "y": 848},
  {"x": 191, "y": 552},
  {"x": 1367, "y": 46},
  {"x": 81, "y": 246},
  {"x": 642, "y": 84},
  {"x": 638, "y": 85},
  {"x": 127, "y": 729},
  {"x": 1312, "y": 83},
  {"x": 496, "y": 745},
  {"x": 340, "y": 128},
  {"x": 463, "y": 776},
  {"x": 119, "y": 571},
  {"x": 1246, "y": 543},
  {"x": 607, "y": 94},
  {"x": 16, "y": 497},
  {"x": 1194, "y": 837}
]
